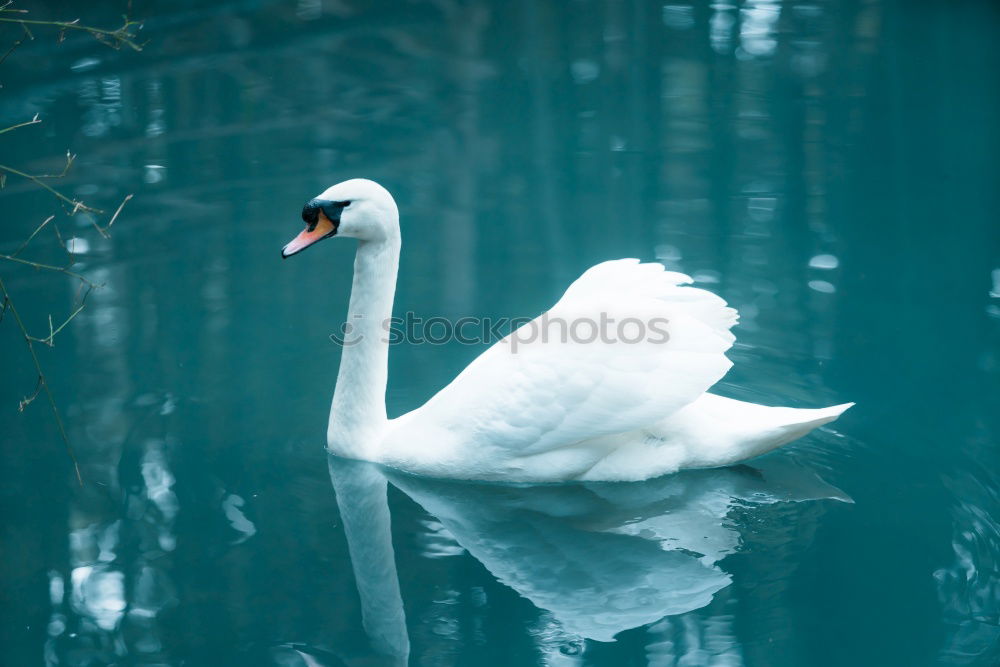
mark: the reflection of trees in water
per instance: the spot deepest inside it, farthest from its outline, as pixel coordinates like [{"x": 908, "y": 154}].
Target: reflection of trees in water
[
  {"x": 734, "y": 142},
  {"x": 107, "y": 596}
]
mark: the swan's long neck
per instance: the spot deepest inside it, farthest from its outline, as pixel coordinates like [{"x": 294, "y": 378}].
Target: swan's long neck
[
  {"x": 357, "y": 415},
  {"x": 364, "y": 511}
]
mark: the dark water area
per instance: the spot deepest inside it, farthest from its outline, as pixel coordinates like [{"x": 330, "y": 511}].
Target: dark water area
[{"x": 829, "y": 168}]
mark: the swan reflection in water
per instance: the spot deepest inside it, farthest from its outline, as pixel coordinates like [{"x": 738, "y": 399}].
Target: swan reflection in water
[{"x": 601, "y": 557}]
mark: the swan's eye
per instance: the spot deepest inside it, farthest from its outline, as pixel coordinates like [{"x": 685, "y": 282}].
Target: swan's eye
[{"x": 332, "y": 209}]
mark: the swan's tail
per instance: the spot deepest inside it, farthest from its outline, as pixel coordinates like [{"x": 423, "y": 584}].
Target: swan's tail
[
  {"x": 800, "y": 421},
  {"x": 712, "y": 431},
  {"x": 765, "y": 428},
  {"x": 758, "y": 429},
  {"x": 724, "y": 431}
]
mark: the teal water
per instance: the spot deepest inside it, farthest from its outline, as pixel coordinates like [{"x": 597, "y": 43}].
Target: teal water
[{"x": 830, "y": 169}]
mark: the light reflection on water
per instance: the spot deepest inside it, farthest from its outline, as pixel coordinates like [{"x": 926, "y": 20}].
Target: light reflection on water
[{"x": 811, "y": 162}]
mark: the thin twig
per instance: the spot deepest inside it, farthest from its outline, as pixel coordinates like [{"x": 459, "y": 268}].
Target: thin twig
[
  {"x": 9, "y": 51},
  {"x": 70, "y": 158},
  {"x": 42, "y": 383},
  {"x": 49, "y": 340},
  {"x": 62, "y": 244},
  {"x": 77, "y": 205},
  {"x": 33, "y": 235},
  {"x": 17, "y": 43},
  {"x": 113, "y": 38},
  {"x": 115, "y": 216},
  {"x": 50, "y": 267},
  {"x": 33, "y": 121},
  {"x": 28, "y": 400}
]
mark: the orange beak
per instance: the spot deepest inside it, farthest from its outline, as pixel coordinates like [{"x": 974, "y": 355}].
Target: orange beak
[{"x": 323, "y": 229}]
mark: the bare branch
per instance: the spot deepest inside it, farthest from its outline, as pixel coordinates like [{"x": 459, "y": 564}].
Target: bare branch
[
  {"x": 13, "y": 47},
  {"x": 49, "y": 340},
  {"x": 116, "y": 38},
  {"x": 34, "y": 234},
  {"x": 28, "y": 400},
  {"x": 33, "y": 121},
  {"x": 115, "y": 216},
  {"x": 76, "y": 204},
  {"x": 62, "y": 244},
  {"x": 42, "y": 383},
  {"x": 49, "y": 267},
  {"x": 70, "y": 158}
]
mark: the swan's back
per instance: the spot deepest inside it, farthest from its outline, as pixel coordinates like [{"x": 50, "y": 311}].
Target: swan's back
[{"x": 530, "y": 408}]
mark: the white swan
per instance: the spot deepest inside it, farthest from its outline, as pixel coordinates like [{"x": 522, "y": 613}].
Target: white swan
[{"x": 542, "y": 409}]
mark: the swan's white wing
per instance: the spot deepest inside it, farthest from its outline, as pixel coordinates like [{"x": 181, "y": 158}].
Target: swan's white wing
[{"x": 527, "y": 395}]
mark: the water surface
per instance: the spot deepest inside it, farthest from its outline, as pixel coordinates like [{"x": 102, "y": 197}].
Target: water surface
[{"x": 828, "y": 168}]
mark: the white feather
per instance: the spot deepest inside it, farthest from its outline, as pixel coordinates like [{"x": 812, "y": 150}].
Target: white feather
[{"x": 558, "y": 406}]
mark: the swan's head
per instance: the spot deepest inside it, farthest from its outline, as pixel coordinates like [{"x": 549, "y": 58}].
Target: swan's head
[{"x": 357, "y": 208}]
